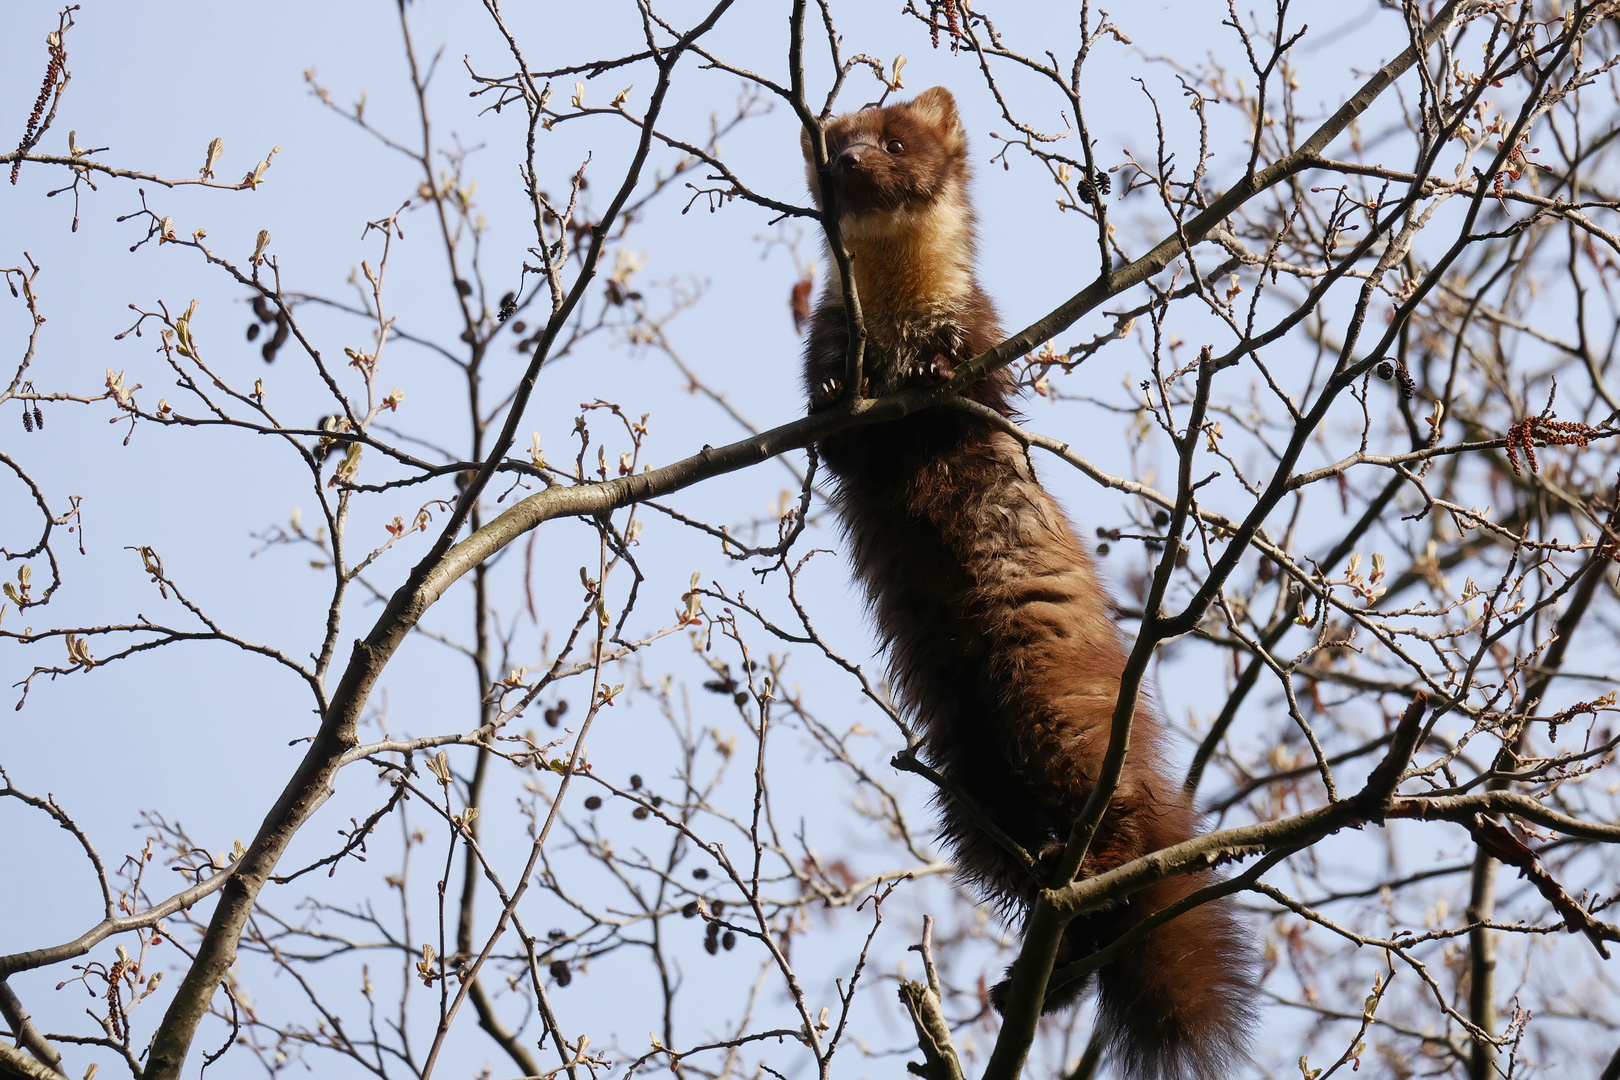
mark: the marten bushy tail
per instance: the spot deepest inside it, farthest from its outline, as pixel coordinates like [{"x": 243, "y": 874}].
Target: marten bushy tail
[
  {"x": 1175, "y": 1004},
  {"x": 1179, "y": 1004}
]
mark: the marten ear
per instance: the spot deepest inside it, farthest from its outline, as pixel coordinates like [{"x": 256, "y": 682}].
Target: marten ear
[
  {"x": 938, "y": 107},
  {"x": 804, "y": 144}
]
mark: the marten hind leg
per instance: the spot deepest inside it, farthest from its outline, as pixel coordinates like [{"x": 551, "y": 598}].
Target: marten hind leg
[
  {"x": 1122, "y": 836},
  {"x": 1071, "y": 977}
]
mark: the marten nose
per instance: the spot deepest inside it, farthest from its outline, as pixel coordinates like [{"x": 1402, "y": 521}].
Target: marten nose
[{"x": 848, "y": 159}]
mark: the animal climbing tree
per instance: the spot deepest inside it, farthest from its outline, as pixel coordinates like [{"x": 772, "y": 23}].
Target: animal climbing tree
[{"x": 1324, "y": 357}]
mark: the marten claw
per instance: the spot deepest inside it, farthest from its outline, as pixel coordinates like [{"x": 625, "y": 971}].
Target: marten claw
[
  {"x": 930, "y": 369},
  {"x": 829, "y": 391}
]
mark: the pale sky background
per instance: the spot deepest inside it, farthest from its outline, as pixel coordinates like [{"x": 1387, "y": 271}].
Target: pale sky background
[{"x": 202, "y": 734}]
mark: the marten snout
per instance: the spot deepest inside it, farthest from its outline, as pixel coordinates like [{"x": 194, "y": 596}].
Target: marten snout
[{"x": 851, "y": 158}]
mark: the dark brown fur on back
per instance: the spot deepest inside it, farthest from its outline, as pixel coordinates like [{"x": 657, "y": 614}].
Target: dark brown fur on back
[{"x": 1000, "y": 637}]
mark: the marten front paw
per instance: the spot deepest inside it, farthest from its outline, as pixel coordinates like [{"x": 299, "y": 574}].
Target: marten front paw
[
  {"x": 934, "y": 369},
  {"x": 826, "y": 393}
]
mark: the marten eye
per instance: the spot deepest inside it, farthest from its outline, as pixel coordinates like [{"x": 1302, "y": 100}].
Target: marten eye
[{"x": 894, "y": 146}]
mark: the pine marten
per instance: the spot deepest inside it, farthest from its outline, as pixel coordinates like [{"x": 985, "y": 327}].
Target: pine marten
[{"x": 1001, "y": 641}]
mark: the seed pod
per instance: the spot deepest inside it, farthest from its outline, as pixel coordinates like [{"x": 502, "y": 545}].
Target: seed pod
[
  {"x": 1093, "y": 188},
  {"x": 277, "y": 339},
  {"x": 1403, "y": 377}
]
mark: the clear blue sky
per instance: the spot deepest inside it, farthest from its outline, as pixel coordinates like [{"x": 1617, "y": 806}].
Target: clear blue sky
[{"x": 206, "y": 736}]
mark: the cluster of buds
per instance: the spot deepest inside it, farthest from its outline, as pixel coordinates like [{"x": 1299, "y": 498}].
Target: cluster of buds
[
  {"x": 692, "y": 612},
  {"x": 1524, "y": 435},
  {"x": 1366, "y": 587}
]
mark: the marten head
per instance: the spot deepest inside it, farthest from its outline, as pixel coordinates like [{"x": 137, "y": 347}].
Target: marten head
[{"x": 906, "y": 157}]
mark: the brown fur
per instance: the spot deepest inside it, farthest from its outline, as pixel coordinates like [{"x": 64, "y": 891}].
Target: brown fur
[{"x": 1001, "y": 639}]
